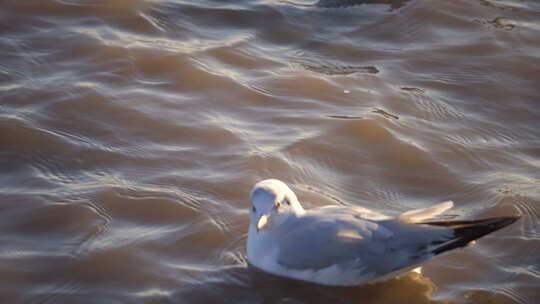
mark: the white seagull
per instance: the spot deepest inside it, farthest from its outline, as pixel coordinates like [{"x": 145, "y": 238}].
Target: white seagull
[{"x": 345, "y": 246}]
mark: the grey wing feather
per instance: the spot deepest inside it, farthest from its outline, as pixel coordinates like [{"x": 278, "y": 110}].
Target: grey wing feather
[
  {"x": 312, "y": 243},
  {"x": 356, "y": 211}
]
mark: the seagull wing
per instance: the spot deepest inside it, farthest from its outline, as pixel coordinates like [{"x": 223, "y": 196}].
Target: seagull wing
[
  {"x": 367, "y": 250},
  {"x": 374, "y": 248},
  {"x": 316, "y": 242}
]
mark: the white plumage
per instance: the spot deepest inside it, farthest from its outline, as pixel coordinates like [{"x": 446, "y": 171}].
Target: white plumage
[{"x": 337, "y": 245}]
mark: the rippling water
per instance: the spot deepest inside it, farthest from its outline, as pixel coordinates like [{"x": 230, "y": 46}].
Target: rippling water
[{"x": 132, "y": 132}]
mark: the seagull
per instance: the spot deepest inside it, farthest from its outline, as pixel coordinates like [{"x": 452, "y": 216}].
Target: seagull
[{"x": 347, "y": 246}]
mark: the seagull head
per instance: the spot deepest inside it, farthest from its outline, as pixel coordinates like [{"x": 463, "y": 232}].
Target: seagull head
[{"x": 272, "y": 202}]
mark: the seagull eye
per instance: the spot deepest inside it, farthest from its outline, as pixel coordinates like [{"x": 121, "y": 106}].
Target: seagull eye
[
  {"x": 253, "y": 209},
  {"x": 287, "y": 202},
  {"x": 278, "y": 204}
]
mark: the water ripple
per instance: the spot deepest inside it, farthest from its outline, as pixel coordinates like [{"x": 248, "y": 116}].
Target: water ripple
[{"x": 131, "y": 133}]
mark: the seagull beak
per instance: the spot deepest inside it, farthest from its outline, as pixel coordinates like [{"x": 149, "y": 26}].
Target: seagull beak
[{"x": 263, "y": 220}]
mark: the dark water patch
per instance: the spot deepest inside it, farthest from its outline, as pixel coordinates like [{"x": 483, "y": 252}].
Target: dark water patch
[
  {"x": 500, "y": 23},
  {"x": 384, "y": 113},
  {"x": 341, "y": 70},
  {"x": 345, "y": 117},
  {"x": 394, "y": 4},
  {"x": 413, "y": 90},
  {"x": 495, "y": 4}
]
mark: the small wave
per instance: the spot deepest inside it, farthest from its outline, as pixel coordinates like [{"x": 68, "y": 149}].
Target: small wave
[
  {"x": 340, "y": 70},
  {"x": 394, "y": 4},
  {"x": 530, "y": 209},
  {"x": 513, "y": 293}
]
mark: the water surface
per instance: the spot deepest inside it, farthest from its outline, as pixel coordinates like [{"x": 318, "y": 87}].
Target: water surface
[{"x": 132, "y": 132}]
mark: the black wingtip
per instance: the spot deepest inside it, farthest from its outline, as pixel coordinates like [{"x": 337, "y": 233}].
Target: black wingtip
[{"x": 468, "y": 231}]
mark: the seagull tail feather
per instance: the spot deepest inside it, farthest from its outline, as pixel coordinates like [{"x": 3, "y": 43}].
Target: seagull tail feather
[{"x": 468, "y": 231}]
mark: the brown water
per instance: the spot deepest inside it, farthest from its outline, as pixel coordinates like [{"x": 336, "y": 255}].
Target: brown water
[{"x": 132, "y": 131}]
